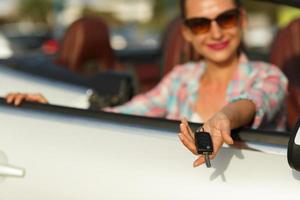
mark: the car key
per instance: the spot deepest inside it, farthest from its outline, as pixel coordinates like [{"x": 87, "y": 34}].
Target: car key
[{"x": 204, "y": 144}]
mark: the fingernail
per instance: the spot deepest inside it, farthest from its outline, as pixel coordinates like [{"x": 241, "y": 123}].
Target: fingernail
[
  {"x": 195, "y": 164},
  {"x": 181, "y": 125},
  {"x": 180, "y": 136}
]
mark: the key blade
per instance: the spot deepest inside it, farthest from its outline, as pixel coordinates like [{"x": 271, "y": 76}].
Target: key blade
[{"x": 207, "y": 160}]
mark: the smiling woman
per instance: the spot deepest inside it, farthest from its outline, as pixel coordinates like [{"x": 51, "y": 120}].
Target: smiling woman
[{"x": 224, "y": 90}]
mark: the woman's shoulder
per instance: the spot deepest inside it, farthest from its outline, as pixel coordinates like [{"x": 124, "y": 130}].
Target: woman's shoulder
[{"x": 264, "y": 68}]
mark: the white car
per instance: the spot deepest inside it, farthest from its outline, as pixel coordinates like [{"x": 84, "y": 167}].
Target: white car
[
  {"x": 57, "y": 92},
  {"x": 57, "y": 152},
  {"x": 49, "y": 152},
  {"x": 5, "y": 48}
]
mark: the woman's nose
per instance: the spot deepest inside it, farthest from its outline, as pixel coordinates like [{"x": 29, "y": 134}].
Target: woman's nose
[{"x": 216, "y": 31}]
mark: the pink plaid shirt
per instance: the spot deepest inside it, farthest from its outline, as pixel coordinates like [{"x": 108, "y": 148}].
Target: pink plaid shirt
[{"x": 174, "y": 97}]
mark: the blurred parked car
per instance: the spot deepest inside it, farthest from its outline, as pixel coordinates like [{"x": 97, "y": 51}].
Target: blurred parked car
[
  {"x": 5, "y": 48},
  {"x": 25, "y": 37}
]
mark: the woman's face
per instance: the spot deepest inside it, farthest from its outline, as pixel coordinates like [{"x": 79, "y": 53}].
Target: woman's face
[{"x": 218, "y": 45}]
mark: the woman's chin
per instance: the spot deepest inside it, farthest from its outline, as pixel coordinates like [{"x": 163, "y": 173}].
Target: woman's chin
[{"x": 220, "y": 58}]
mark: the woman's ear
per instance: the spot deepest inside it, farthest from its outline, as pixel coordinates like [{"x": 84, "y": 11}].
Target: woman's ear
[{"x": 186, "y": 33}]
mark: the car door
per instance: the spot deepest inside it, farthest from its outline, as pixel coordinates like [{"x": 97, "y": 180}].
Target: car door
[{"x": 52, "y": 152}]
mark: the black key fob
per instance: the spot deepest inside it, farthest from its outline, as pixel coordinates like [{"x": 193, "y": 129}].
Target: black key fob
[{"x": 203, "y": 142}]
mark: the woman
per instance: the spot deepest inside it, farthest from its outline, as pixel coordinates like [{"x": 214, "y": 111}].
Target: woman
[{"x": 224, "y": 90}]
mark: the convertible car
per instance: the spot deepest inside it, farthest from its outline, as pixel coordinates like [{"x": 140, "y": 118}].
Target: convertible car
[
  {"x": 35, "y": 73},
  {"x": 53, "y": 152},
  {"x": 61, "y": 152}
]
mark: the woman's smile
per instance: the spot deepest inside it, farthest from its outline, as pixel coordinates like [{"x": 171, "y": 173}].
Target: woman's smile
[{"x": 218, "y": 46}]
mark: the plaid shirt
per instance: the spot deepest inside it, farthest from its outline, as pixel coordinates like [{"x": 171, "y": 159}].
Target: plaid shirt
[{"x": 174, "y": 97}]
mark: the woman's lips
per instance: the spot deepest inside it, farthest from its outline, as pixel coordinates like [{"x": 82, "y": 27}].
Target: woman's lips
[{"x": 218, "y": 46}]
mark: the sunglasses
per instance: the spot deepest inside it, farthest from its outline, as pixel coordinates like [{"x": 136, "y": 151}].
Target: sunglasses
[{"x": 225, "y": 20}]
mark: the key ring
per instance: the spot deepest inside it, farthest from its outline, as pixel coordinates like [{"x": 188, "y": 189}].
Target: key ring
[{"x": 200, "y": 129}]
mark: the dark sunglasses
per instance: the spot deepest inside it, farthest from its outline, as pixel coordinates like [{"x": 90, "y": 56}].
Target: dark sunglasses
[{"x": 225, "y": 20}]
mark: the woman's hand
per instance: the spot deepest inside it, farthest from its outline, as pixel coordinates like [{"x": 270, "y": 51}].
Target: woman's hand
[
  {"x": 18, "y": 98},
  {"x": 219, "y": 128}
]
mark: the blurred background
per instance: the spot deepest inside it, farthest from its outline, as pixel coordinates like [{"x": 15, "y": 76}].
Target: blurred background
[{"x": 26, "y": 25}]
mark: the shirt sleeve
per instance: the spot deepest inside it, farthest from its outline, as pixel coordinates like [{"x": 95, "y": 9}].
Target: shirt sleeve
[
  {"x": 267, "y": 93},
  {"x": 152, "y": 103}
]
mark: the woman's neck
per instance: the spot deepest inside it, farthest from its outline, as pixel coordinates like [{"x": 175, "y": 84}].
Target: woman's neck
[{"x": 220, "y": 73}]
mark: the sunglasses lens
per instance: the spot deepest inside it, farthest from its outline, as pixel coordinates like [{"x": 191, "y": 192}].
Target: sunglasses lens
[
  {"x": 229, "y": 19},
  {"x": 225, "y": 20},
  {"x": 198, "y": 25}
]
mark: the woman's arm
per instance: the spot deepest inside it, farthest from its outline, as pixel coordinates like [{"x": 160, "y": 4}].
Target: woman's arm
[
  {"x": 154, "y": 102},
  {"x": 240, "y": 113}
]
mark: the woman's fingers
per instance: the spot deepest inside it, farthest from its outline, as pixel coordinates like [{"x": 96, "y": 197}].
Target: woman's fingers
[
  {"x": 18, "y": 98},
  {"x": 187, "y": 143},
  {"x": 10, "y": 97},
  {"x": 184, "y": 129},
  {"x": 201, "y": 160},
  {"x": 14, "y": 98},
  {"x": 226, "y": 135},
  {"x": 217, "y": 140},
  {"x": 184, "y": 121},
  {"x": 36, "y": 98},
  {"x": 186, "y": 136}
]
